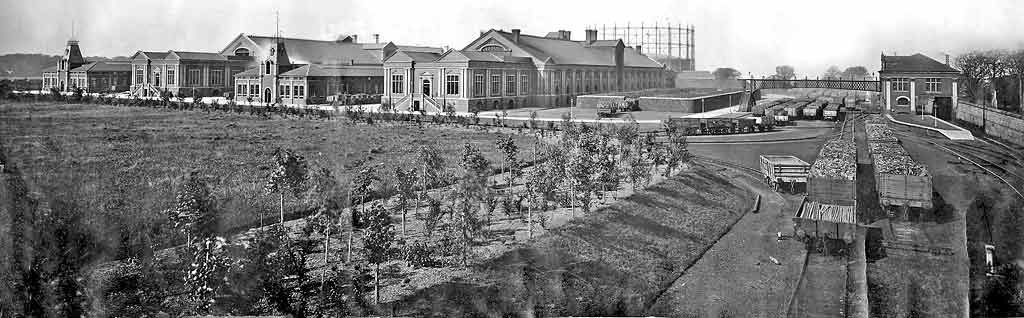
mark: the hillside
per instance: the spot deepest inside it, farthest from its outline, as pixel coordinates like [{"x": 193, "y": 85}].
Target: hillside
[{"x": 30, "y": 65}]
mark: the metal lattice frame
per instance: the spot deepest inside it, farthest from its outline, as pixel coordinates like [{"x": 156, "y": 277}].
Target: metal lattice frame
[{"x": 852, "y": 85}]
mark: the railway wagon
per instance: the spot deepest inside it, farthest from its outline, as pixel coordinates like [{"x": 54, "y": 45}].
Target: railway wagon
[
  {"x": 795, "y": 109},
  {"x": 781, "y": 118},
  {"x": 816, "y": 220},
  {"x": 732, "y": 124},
  {"x": 813, "y": 111},
  {"x": 779, "y": 169},
  {"x": 830, "y": 112},
  {"x": 764, "y": 123},
  {"x": 898, "y": 190}
]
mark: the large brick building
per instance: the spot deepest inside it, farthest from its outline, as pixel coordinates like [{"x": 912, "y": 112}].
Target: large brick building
[
  {"x": 303, "y": 71},
  {"x": 73, "y": 71},
  {"x": 917, "y": 83},
  {"x": 509, "y": 69}
]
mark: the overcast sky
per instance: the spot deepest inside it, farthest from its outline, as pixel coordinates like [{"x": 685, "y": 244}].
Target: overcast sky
[{"x": 752, "y": 36}]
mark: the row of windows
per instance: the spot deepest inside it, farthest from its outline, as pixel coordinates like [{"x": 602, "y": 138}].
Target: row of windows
[
  {"x": 575, "y": 81},
  {"x": 193, "y": 76},
  {"x": 931, "y": 85},
  {"x": 289, "y": 91}
]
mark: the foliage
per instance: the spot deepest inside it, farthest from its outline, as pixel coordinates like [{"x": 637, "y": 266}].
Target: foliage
[
  {"x": 784, "y": 72},
  {"x": 289, "y": 175},
  {"x": 378, "y": 239},
  {"x": 855, "y": 72},
  {"x": 206, "y": 275},
  {"x": 832, "y": 72},
  {"x": 726, "y": 73},
  {"x": 195, "y": 212}
]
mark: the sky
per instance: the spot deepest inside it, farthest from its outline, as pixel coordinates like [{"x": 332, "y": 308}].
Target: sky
[{"x": 751, "y": 36}]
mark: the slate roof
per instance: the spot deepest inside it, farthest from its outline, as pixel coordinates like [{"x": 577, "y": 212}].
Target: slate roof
[
  {"x": 156, "y": 55},
  {"x": 914, "y": 63},
  {"x": 252, "y": 71},
  {"x": 104, "y": 67},
  {"x": 200, "y": 56},
  {"x": 314, "y": 70},
  {"x": 578, "y": 52},
  {"x": 50, "y": 69},
  {"x": 304, "y": 51}
]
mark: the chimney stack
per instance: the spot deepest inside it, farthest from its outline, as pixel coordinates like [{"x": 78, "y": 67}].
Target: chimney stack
[
  {"x": 947, "y": 59},
  {"x": 591, "y": 36},
  {"x": 639, "y": 50},
  {"x": 565, "y": 35},
  {"x": 355, "y": 38},
  {"x": 515, "y": 36},
  {"x": 376, "y": 38}
]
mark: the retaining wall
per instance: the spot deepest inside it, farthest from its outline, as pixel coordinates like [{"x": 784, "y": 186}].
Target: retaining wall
[{"x": 998, "y": 123}]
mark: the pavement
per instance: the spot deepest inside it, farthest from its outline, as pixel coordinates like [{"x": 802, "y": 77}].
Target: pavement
[{"x": 953, "y": 134}]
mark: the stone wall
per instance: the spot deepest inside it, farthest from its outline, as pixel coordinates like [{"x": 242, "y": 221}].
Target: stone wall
[{"x": 998, "y": 123}]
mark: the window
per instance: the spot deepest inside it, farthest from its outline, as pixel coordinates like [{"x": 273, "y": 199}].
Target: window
[
  {"x": 240, "y": 89},
  {"x": 579, "y": 81},
  {"x": 140, "y": 75},
  {"x": 933, "y": 85},
  {"x": 300, "y": 91},
  {"x": 242, "y": 52},
  {"x": 283, "y": 91},
  {"x": 493, "y": 48},
  {"x": 479, "y": 85},
  {"x": 397, "y": 84},
  {"x": 195, "y": 76},
  {"x": 510, "y": 84},
  {"x": 254, "y": 90},
  {"x": 216, "y": 76},
  {"x": 495, "y": 83},
  {"x": 568, "y": 81},
  {"x": 171, "y": 72},
  {"x": 452, "y": 85},
  {"x": 266, "y": 68},
  {"x": 524, "y": 86},
  {"x": 900, "y": 84}
]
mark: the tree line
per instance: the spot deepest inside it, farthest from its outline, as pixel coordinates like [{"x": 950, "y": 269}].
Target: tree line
[{"x": 992, "y": 77}]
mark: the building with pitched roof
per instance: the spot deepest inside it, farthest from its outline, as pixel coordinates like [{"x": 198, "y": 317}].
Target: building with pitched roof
[
  {"x": 73, "y": 72},
  {"x": 303, "y": 71},
  {"x": 182, "y": 73},
  {"x": 501, "y": 70},
  {"x": 916, "y": 83}
]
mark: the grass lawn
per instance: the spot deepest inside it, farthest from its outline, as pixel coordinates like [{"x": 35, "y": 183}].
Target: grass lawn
[{"x": 125, "y": 162}]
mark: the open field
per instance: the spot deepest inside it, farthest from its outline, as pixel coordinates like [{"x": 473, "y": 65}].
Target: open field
[{"x": 128, "y": 160}]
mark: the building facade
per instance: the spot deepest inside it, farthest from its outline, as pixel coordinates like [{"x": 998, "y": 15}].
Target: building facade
[
  {"x": 302, "y": 71},
  {"x": 501, "y": 70},
  {"x": 184, "y": 73},
  {"x": 73, "y": 71},
  {"x": 917, "y": 83}
]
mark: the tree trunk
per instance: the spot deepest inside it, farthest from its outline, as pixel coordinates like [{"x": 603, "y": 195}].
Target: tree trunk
[
  {"x": 529, "y": 218},
  {"x": 327, "y": 252},
  {"x": 376, "y": 283},
  {"x": 348, "y": 258},
  {"x": 403, "y": 222},
  {"x": 282, "y": 207}
]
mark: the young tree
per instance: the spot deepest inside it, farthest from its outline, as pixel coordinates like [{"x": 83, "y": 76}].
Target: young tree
[
  {"x": 430, "y": 168},
  {"x": 404, "y": 186},
  {"x": 324, "y": 190},
  {"x": 377, "y": 242},
  {"x": 289, "y": 175},
  {"x": 974, "y": 71},
  {"x": 205, "y": 275},
  {"x": 677, "y": 152},
  {"x": 194, "y": 212},
  {"x": 508, "y": 147}
]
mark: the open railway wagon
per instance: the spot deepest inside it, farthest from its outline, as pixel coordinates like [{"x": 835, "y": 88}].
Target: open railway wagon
[
  {"x": 779, "y": 115},
  {"x": 813, "y": 111},
  {"x": 784, "y": 169},
  {"x": 794, "y": 110},
  {"x": 902, "y": 183},
  {"x": 730, "y": 123},
  {"x": 758, "y": 110},
  {"x": 825, "y": 223},
  {"x": 832, "y": 178},
  {"x": 830, "y": 112}
]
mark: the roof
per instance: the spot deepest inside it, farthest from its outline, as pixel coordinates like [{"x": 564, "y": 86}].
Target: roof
[
  {"x": 199, "y": 56},
  {"x": 252, "y": 71},
  {"x": 155, "y": 55},
  {"x": 304, "y": 51},
  {"x": 314, "y": 70},
  {"x": 50, "y": 69},
  {"x": 569, "y": 52},
  {"x": 914, "y": 63},
  {"x": 104, "y": 67}
]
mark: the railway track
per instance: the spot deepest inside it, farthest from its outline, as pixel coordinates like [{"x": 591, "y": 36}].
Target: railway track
[{"x": 977, "y": 157}]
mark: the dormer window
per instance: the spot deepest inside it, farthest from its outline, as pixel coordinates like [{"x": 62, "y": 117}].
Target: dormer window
[{"x": 242, "y": 52}]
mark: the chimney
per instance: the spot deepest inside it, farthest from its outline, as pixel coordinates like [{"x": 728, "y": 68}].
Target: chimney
[
  {"x": 565, "y": 35},
  {"x": 355, "y": 38},
  {"x": 515, "y": 36},
  {"x": 947, "y": 59},
  {"x": 591, "y": 36},
  {"x": 639, "y": 50},
  {"x": 376, "y": 38}
]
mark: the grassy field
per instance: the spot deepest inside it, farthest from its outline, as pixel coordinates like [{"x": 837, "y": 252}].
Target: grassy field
[{"x": 127, "y": 161}]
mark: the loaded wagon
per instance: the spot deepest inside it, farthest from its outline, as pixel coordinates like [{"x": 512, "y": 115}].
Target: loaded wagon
[
  {"x": 779, "y": 169},
  {"x": 813, "y": 111},
  {"x": 815, "y": 220},
  {"x": 794, "y": 110},
  {"x": 831, "y": 112},
  {"x": 906, "y": 191}
]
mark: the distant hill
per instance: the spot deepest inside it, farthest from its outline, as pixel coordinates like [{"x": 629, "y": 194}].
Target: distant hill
[{"x": 30, "y": 65}]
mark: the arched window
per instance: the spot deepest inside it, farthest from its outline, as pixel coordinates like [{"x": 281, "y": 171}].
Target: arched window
[
  {"x": 242, "y": 52},
  {"x": 267, "y": 71},
  {"x": 493, "y": 48},
  {"x": 903, "y": 101}
]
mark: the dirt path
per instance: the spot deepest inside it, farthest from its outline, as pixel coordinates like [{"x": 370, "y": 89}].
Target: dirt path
[
  {"x": 736, "y": 276},
  {"x": 822, "y": 292}
]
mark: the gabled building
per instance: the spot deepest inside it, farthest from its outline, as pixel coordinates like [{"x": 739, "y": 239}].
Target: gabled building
[
  {"x": 302, "y": 71},
  {"x": 184, "y": 73},
  {"x": 501, "y": 70},
  {"x": 73, "y": 72},
  {"x": 918, "y": 83}
]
